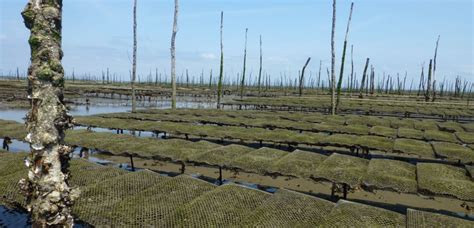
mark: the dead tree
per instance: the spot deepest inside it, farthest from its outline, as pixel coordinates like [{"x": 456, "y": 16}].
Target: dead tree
[
  {"x": 319, "y": 74},
  {"x": 221, "y": 71},
  {"x": 242, "y": 83},
  {"x": 302, "y": 77},
  {"x": 173, "y": 55},
  {"x": 260, "y": 69},
  {"x": 372, "y": 80},
  {"x": 134, "y": 64},
  {"x": 210, "y": 80},
  {"x": 434, "y": 68},
  {"x": 48, "y": 196},
  {"x": 428, "y": 84},
  {"x": 351, "y": 85},
  {"x": 364, "y": 76},
  {"x": 470, "y": 94},
  {"x": 341, "y": 73},
  {"x": 333, "y": 60},
  {"x": 421, "y": 86}
]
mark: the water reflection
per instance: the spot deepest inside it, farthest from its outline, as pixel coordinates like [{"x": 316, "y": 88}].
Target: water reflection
[
  {"x": 13, "y": 218},
  {"x": 101, "y": 106}
]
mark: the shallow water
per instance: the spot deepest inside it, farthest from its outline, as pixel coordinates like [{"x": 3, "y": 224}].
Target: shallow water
[
  {"x": 13, "y": 218},
  {"x": 101, "y": 106},
  {"x": 19, "y": 219}
]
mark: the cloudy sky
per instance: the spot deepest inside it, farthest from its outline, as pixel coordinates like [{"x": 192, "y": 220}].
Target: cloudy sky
[{"x": 398, "y": 35}]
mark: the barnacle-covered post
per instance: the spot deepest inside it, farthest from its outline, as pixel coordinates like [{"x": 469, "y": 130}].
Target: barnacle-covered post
[{"x": 49, "y": 198}]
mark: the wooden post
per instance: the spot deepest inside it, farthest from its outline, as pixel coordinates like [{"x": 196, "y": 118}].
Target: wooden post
[
  {"x": 434, "y": 68},
  {"x": 364, "y": 76},
  {"x": 319, "y": 75},
  {"x": 220, "y": 176},
  {"x": 131, "y": 163},
  {"x": 302, "y": 76},
  {"x": 221, "y": 72},
  {"x": 345, "y": 189},
  {"x": 134, "y": 64},
  {"x": 341, "y": 73},
  {"x": 49, "y": 198},
  {"x": 352, "y": 71},
  {"x": 428, "y": 84},
  {"x": 333, "y": 60},
  {"x": 183, "y": 168},
  {"x": 242, "y": 83},
  {"x": 173, "y": 55},
  {"x": 260, "y": 69}
]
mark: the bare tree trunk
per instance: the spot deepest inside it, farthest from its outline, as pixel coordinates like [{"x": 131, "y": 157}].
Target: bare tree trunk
[
  {"x": 428, "y": 85},
  {"x": 470, "y": 94},
  {"x": 221, "y": 71},
  {"x": 352, "y": 71},
  {"x": 173, "y": 55},
  {"x": 134, "y": 65},
  {"x": 434, "y": 68},
  {"x": 372, "y": 80},
  {"x": 421, "y": 86},
  {"x": 329, "y": 79},
  {"x": 242, "y": 84},
  {"x": 302, "y": 76},
  {"x": 210, "y": 79},
  {"x": 364, "y": 76},
  {"x": 261, "y": 63},
  {"x": 341, "y": 73},
  {"x": 319, "y": 74},
  {"x": 333, "y": 60},
  {"x": 49, "y": 197}
]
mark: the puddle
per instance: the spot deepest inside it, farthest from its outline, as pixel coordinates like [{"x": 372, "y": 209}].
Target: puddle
[
  {"x": 105, "y": 106},
  {"x": 17, "y": 146},
  {"x": 19, "y": 219},
  {"x": 13, "y": 218},
  {"x": 146, "y": 134}
]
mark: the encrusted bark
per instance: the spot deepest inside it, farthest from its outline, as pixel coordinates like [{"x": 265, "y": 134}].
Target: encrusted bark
[
  {"x": 364, "y": 77},
  {"x": 49, "y": 198},
  {"x": 341, "y": 73},
  {"x": 221, "y": 69},
  {"x": 260, "y": 68},
  {"x": 300, "y": 91},
  {"x": 173, "y": 55},
  {"x": 134, "y": 64},
  {"x": 242, "y": 83},
  {"x": 333, "y": 60}
]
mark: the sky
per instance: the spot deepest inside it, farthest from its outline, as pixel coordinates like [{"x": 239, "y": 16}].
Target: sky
[{"x": 397, "y": 35}]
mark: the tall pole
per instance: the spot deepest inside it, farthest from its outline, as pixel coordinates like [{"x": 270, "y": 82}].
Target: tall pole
[
  {"x": 242, "y": 83},
  {"x": 221, "y": 72},
  {"x": 434, "y": 68},
  {"x": 339, "y": 83},
  {"x": 351, "y": 86},
  {"x": 173, "y": 56},
  {"x": 48, "y": 196},
  {"x": 364, "y": 77},
  {"x": 428, "y": 84},
  {"x": 134, "y": 65},
  {"x": 333, "y": 60},
  {"x": 260, "y": 69},
  {"x": 302, "y": 77}
]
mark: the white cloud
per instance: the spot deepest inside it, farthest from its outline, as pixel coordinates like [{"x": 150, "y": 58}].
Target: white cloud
[{"x": 208, "y": 56}]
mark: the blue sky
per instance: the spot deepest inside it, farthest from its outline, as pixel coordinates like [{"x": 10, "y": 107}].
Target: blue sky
[{"x": 398, "y": 35}]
